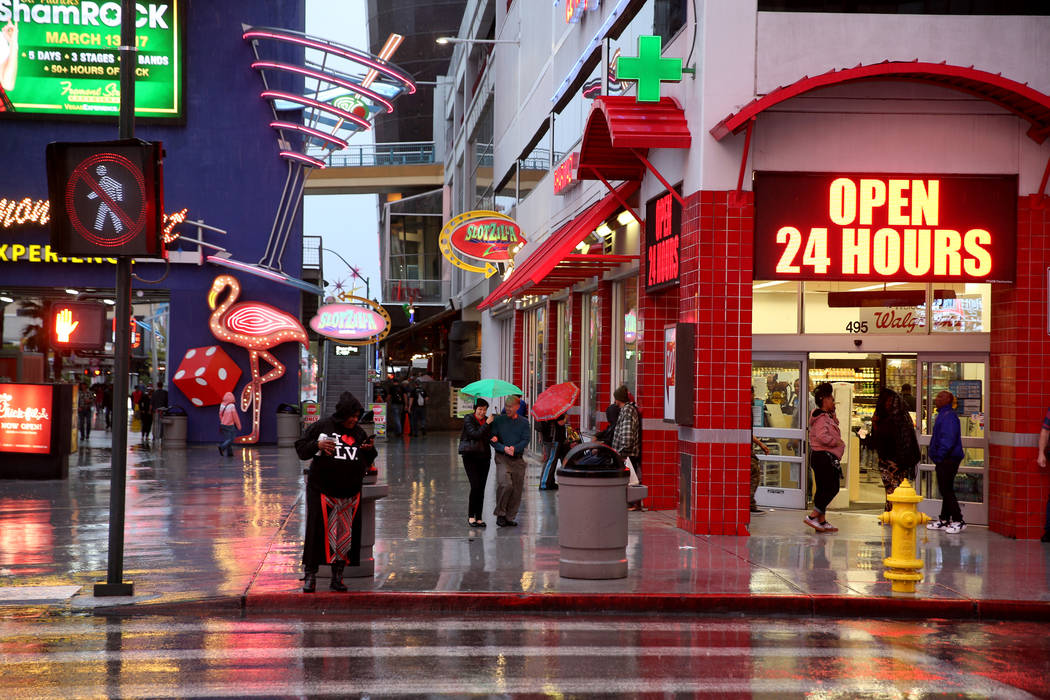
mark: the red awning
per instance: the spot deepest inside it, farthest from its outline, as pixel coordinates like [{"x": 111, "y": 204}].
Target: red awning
[
  {"x": 1018, "y": 98},
  {"x": 620, "y": 128},
  {"x": 553, "y": 266}
]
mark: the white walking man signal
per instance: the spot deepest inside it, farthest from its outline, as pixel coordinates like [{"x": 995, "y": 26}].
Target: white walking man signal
[{"x": 115, "y": 191}]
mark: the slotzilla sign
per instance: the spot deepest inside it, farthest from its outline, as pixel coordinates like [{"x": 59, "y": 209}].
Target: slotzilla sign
[
  {"x": 491, "y": 238},
  {"x": 351, "y": 323},
  {"x": 485, "y": 236}
]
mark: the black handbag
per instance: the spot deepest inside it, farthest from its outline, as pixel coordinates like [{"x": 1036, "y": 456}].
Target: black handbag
[{"x": 467, "y": 446}]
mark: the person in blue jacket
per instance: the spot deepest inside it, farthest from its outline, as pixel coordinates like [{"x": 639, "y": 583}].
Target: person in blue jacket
[
  {"x": 946, "y": 452},
  {"x": 510, "y": 437}
]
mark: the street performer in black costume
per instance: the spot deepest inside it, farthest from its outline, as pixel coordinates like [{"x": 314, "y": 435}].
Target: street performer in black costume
[{"x": 341, "y": 452}]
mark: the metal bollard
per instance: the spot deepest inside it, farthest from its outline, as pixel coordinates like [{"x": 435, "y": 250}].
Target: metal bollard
[{"x": 903, "y": 566}]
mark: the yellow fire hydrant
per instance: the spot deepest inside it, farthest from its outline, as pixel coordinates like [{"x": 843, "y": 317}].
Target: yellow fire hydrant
[{"x": 902, "y": 568}]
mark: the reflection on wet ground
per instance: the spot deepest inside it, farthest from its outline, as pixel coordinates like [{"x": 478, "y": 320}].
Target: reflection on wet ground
[
  {"x": 201, "y": 526},
  {"x": 83, "y": 656}
]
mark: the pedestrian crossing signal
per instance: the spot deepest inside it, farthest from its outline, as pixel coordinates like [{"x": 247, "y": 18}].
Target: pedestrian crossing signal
[
  {"x": 77, "y": 325},
  {"x": 106, "y": 198}
]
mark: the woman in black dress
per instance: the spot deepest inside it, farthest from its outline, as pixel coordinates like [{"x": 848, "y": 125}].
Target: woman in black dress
[
  {"x": 341, "y": 452},
  {"x": 476, "y": 453}
]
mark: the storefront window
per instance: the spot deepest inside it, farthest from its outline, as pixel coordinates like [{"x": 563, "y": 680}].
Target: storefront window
[
  {"x": 564, "y": 343},
  {"x": 896, "y": 308},
  {"x": 962, "y": 308},
  {"x": 631, "y": 334},
  {"x": 778, "y": 394},
  {"x": 893, "y": 308},
  {"x": 774, "y": 307}
]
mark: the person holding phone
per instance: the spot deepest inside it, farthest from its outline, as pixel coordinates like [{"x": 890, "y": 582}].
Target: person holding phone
[{"x": 341, "y": 452}]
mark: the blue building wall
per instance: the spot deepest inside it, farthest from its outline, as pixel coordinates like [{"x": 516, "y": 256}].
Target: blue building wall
[{"x": 222, "y": 165}]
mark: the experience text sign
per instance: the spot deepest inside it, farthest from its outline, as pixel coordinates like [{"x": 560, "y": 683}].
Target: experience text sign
[{"x": 885, "y": 227}]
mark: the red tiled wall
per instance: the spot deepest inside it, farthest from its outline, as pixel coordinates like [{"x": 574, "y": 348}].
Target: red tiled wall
[
  {"x": 550, "y": 339},
  {"x": 519, "y": 348},
  {"x": 1020, "y": 380},
  {"x": 715, "y": 292},
  {"x": 575, "y": 303},
  {"x": 605, "y": 388},
  {"x": 659, "y": 447}
]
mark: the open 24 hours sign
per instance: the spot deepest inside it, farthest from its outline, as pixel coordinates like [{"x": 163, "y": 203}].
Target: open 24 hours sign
[{"x": 885, "y": 227}]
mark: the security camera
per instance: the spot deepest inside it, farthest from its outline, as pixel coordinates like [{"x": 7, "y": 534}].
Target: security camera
[{"x": 857, "y": 342}]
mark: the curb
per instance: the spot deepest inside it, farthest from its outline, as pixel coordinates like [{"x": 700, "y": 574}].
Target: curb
[{"x": 408, "y": 603}]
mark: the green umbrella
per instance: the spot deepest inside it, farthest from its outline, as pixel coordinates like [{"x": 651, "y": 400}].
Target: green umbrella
[{"x": 490, "y": 388}]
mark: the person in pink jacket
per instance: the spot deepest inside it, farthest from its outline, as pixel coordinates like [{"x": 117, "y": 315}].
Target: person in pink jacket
[
  {"x": 229, "y": 423},
  {"x": 825, "y": 439}
]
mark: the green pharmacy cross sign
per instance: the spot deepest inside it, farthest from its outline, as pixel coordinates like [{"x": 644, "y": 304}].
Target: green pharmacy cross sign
[{"x": 649, "y": 68}]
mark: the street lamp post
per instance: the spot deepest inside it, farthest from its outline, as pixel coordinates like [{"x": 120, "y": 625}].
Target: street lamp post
[{"x": 353, "y": 271}]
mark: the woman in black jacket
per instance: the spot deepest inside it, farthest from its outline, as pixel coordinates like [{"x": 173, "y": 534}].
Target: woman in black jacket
[
  {"x": 474, "y": 447},
  {"x": 894, "y": 435},
  {"x": 341, "y": 452}
]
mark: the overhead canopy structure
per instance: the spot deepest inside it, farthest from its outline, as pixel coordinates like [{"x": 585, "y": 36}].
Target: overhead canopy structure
[
  {"x": 620, "y": 131},
  {"x": 1027, "y": 103},
  {"x": 553, "y": 266}
]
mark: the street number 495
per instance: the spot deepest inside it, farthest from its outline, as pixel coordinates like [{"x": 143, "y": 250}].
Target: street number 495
[{"x": 857, "y": 327}]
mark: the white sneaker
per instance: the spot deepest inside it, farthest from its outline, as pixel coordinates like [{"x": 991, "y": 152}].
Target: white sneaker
[
  {"x": 954, "y": 528},
  {"x": 813, "y": 523},
  {"x": 937, "y": 525}
]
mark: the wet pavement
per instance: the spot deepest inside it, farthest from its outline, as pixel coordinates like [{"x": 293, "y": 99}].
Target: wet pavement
[
  {"x": 225, "y": 532},
  {"x": 312, "y": 655}
]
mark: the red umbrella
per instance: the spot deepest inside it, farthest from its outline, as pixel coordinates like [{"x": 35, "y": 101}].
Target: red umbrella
[{"x": 555, "y": 401}]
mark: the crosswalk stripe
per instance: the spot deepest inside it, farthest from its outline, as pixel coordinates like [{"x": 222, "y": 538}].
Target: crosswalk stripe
[
  {"x": 778, "y": 687},
  {"x": 9, "y": 630},
  {"x": 364, "y": 652}
]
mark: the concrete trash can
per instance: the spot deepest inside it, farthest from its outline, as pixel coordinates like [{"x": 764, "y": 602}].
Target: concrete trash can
[
  {"x": 174, "y": 430},
  {"x": 287, "y": 428},
  {"x": 592, "y": 513}
]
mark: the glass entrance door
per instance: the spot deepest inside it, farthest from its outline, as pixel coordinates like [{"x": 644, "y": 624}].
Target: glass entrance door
[
  {"x": 779, "y": 407},
  {"x": 966, "y": 377}
]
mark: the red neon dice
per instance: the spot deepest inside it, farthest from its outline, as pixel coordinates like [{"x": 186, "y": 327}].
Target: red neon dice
[{"x": 205, "y": 374}]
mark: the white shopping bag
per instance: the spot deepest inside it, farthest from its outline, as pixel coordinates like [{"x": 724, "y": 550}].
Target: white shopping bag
[{"x": 634, "y": 475}]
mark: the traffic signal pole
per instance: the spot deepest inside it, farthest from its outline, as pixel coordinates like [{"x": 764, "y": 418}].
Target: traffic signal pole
[{"x": 115, "y": 584}]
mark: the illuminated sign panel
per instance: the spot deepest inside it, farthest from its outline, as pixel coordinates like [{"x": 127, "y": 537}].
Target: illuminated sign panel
[
  {"x": 574, "y": 9},
  {"x": 106, "y": 198},
  {"x": 565, "y": 174},
  {"x": 354, "y": 324},
  {"x": 663, "y": 225},
  {"x": 487, "y": 239},
  {"x": 25, "y": 418},
  {"x": 483, "y": 235},
  {"x": 882, "y": 227},
  {"x": 77, "y": 325},
  {"x": 64, "y": 56}
]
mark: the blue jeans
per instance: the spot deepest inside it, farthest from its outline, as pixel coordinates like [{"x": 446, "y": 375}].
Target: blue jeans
[
  {"x": 84, "y": 424},
  {"x": 229, "y": 432},
  {"x": 419, "y": 420},
  {"x": 394, "y": 417}
]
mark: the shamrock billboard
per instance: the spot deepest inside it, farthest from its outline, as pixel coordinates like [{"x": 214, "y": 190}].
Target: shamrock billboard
[{"x": 63, "y": 58}]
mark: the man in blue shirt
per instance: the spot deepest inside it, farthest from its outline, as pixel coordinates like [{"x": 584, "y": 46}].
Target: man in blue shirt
[
  {"x": 510, "y": 437},
  {"x": 946, "y": 452}
]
